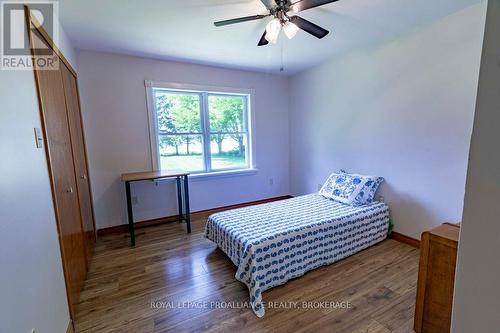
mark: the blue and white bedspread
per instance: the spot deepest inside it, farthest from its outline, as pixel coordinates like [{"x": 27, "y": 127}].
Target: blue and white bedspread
[{"x": 275, "y": 242}]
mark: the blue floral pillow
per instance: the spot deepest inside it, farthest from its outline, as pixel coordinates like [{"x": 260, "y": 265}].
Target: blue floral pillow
[
  {"x": 367, "y": 193},
  {"x": 351, "y": 189}
]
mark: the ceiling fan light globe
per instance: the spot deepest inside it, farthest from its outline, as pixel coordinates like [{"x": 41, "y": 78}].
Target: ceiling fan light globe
[
  {"x": 290, "y": 29},
  {"x": 273, "y": 29},
  {"x": 271, "y": 39}
]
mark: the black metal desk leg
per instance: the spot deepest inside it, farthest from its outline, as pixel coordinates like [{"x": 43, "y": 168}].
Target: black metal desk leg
[
  {"x": 179, "y": 198},
  {"x": 130, "y": 214},
  {"x": 186, "y": 204}
]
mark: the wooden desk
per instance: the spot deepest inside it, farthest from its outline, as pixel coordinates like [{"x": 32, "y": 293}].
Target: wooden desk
[{"x": 182, "y": 184}]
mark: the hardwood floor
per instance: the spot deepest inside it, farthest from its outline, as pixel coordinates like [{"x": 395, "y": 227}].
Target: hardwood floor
[{"x": 126, "y": 286}]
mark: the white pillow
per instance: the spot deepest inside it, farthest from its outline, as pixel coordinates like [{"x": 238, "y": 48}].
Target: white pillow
[{"x": 351, "y": 189}]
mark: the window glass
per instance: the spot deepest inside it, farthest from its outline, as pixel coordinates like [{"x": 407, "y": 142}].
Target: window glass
[
  {"x": 227, "y": 131},
  {"x": 201, "y": 132},
  {"x": 178, "y": 121}
]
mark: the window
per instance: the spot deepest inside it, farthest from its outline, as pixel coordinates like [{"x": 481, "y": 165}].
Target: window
[{"x": 199, "y": 130}]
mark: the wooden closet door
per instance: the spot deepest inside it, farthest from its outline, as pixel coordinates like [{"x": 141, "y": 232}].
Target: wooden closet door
[
  {"x": 79, "y": 157},
  {"x": 62, "y": 173}
]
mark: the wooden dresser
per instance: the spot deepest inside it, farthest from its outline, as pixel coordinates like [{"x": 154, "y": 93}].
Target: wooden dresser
[{"x": 436, "y": 279}]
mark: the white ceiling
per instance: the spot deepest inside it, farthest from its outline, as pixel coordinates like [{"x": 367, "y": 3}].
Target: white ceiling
[{"x": 183, "y": 29}]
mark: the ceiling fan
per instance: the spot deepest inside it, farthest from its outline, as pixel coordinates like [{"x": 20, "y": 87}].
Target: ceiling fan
[{"x": 290, "y": 24}]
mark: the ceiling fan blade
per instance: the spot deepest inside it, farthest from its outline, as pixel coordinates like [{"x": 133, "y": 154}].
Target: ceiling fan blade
[
  {"x": 239, "y": 20},
  {"x": 307, "y": 4},
  {"x": 309, "y": 27},
  {"x": 263, "y": 41}
]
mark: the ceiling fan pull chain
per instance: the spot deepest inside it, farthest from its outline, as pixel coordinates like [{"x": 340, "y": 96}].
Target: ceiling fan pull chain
[{"x": 282, "y": 67}]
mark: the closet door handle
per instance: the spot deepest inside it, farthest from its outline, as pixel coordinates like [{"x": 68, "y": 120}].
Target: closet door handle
[
  {"x": 84, "y": 176},
  {"x": 69, "y": 190}
]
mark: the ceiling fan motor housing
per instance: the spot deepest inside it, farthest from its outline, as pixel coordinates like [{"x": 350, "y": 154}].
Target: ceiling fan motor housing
[{"x": 280, "y": 11}]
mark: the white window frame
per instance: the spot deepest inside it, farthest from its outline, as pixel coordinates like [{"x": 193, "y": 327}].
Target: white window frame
[{"x": 203, "y": 92}]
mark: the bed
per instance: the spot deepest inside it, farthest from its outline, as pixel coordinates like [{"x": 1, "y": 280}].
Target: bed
[{"x": 275, "y": 242}]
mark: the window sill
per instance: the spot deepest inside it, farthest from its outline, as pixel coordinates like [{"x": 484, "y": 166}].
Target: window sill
[{"x": 222, "y": 174}]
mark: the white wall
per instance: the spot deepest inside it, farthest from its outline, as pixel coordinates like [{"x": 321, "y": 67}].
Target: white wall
[
  {"x": 477, "y": 292},
  {"x": 32, "y": 289},
  {"x": 115, "y": 116},
  {"x": 67, "y": 48},
  {"x": 402, "y": 110}
]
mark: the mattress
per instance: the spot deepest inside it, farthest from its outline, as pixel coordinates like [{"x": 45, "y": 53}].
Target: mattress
[{"x": 275, "y": 242}]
